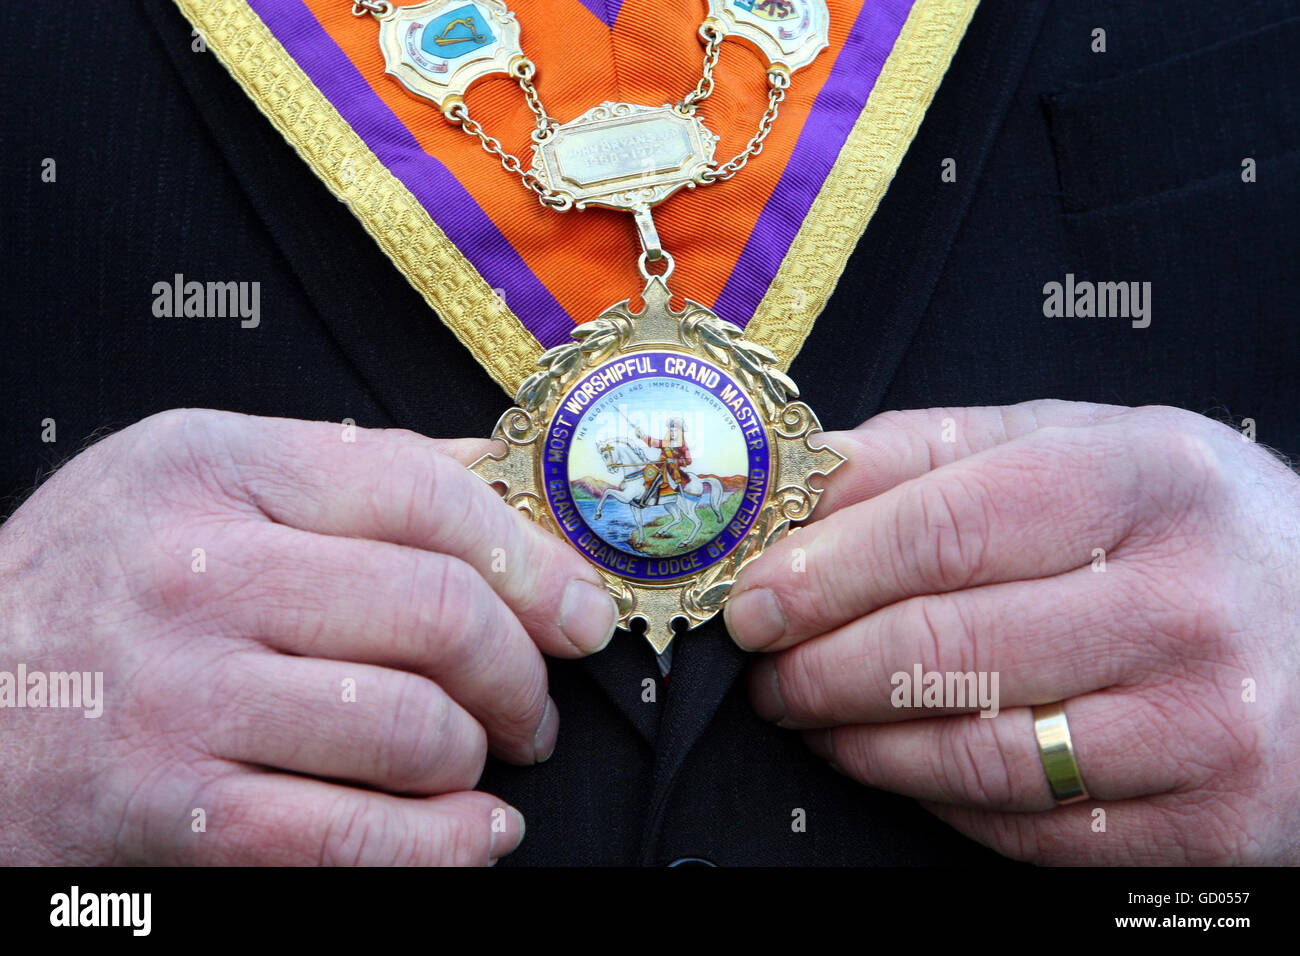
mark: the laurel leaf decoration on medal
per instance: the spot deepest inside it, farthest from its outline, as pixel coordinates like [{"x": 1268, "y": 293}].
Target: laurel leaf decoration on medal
[
  {"x": 790, "y": 424},
  {"x": 596, "y": 340}
]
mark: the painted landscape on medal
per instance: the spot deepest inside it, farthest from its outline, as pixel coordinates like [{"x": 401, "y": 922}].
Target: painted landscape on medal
[
  {"x": 673, "y": 465},
  {"x": 617, "y": 524}
]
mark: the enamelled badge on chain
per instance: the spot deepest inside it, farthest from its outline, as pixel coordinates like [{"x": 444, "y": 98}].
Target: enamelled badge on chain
[{"x": 662, "y": 444}]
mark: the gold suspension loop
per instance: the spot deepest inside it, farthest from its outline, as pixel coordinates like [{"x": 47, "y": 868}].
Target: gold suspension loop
[
  {"x": 666, "y": 257},
  {"x": 645, "y": 227}
]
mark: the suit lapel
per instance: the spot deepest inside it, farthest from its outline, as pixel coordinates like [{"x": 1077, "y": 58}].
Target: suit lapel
[{"x": 705, "y": 665}]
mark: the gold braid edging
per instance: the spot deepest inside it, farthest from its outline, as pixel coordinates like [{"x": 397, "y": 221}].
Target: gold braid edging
[{"x": 860, "y": 176}]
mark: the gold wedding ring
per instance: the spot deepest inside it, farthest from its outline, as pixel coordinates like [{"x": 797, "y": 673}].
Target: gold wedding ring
[{"x": 1057, "y": 753}]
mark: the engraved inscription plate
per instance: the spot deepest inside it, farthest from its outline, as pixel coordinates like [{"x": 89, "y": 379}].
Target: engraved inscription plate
[
  {"x": 623, "y": 156},
  {"x": 438, "y": 49},
  {"x": 790, "y": 33}
]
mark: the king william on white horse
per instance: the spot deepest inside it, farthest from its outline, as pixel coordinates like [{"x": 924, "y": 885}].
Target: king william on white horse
[{"x": 648, "y": 481}]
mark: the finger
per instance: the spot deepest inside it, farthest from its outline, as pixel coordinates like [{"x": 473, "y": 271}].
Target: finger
[
  {"x": 1032, "y": 508},
  {"x": 282, "y": 820},
  {"x": 400, "y": 487},
  {"x": 1028, "y": 641},
  {"x": 464, "y": 450},
  {"x": 384, "y": 604},
  {"x": 1126, "y": 747},
  {"x": 896, "y": 446},
  {"x": 342, "y": 721},
  {"x": 1158, "y": 831}
]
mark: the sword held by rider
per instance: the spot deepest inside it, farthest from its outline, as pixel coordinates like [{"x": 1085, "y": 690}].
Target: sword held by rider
[{"x": 674, "y": 455}]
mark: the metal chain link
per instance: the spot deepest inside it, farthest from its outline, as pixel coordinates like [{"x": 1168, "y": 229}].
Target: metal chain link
[
  {"x": 459, "y": 114},
  {"x": 704, "y": 89},
  {"x": 374, "y": 8},
  {"x": 780, "y": 82},
  {"x": 524, "y": 70}
]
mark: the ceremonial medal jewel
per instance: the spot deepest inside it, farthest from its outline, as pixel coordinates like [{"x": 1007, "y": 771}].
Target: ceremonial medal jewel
[
  {"x": 664, "y": 446},
  {"x": 667, "y": 449}
]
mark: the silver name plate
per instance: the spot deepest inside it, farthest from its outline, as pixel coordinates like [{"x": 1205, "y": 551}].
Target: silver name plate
[{"x": 623, "y": 156}]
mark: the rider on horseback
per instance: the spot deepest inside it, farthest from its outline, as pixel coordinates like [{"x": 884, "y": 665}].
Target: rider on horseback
[{"x": 674, "y": 455}]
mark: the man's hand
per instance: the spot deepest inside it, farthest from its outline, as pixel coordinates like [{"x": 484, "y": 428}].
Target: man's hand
[
  {"x": 310, "y": 638},
  {"x": 1141, "y": 565}
]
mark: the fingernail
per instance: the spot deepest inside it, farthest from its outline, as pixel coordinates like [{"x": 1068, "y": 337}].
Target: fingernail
[
  {"x": 832, "y": 439},
  {"x": 587, "y": 616},
  {"x": 754, "y": 619},
  {"x": 502, "y": 843},
  {"x": 547, "y": 733},
  {"x": 765, "y": 691}
]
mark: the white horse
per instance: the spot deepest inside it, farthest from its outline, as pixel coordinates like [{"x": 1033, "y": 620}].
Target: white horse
[{"x": 628, "y": 460}]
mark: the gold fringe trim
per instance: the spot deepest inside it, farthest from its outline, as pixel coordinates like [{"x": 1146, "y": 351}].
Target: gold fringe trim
[{"x": 860, "y": 176}]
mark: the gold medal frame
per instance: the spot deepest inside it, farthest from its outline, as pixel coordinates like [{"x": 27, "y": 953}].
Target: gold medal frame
[{"x": 694, "y": 332}]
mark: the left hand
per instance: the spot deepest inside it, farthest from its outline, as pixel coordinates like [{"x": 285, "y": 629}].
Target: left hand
[{"x": 1140, "y": 564}]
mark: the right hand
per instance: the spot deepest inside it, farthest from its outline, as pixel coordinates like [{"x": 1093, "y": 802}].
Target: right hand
[{"x": 382, "y": 564}]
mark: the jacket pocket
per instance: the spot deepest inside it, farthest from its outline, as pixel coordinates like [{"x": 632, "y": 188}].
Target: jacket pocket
[{"x": 1190, "y": 118}]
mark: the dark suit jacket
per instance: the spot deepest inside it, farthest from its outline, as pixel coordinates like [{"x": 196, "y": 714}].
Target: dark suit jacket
[{"x": 1123, "y": 165}]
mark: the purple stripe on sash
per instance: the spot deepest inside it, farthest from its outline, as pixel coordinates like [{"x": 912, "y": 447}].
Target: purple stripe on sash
[
  {"x": 605, "y": 10},
  {"x": 437, "y": 190},
  {"x": 832, "y": 117}
]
